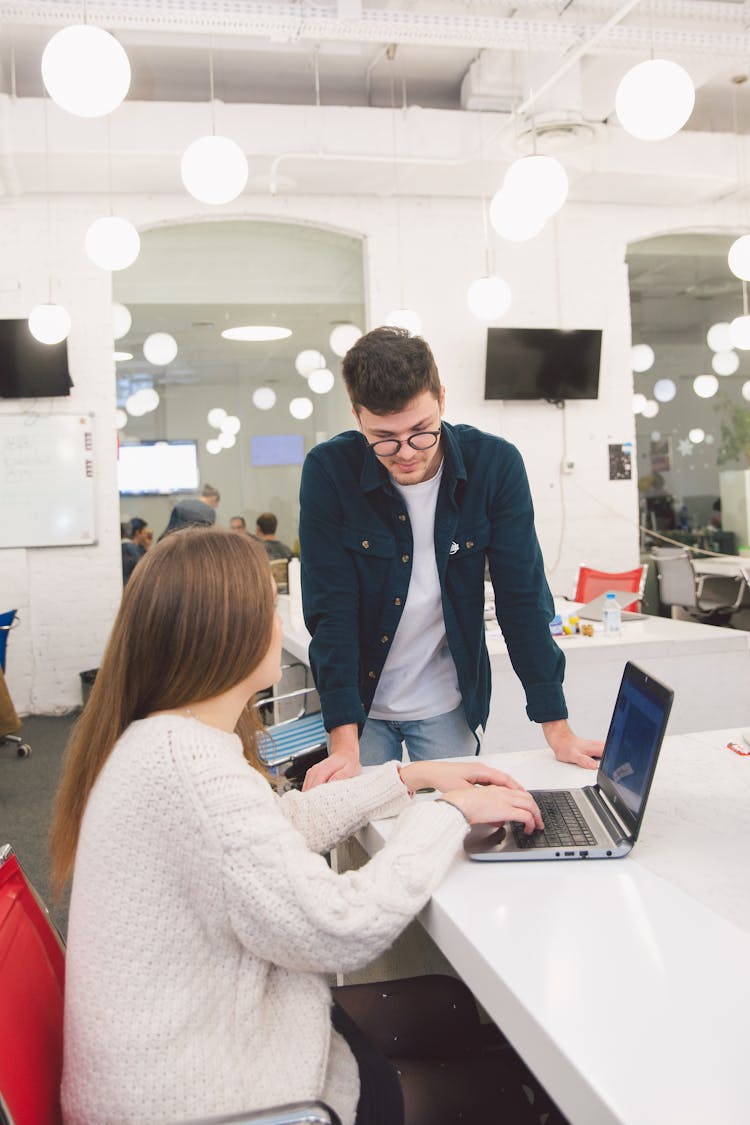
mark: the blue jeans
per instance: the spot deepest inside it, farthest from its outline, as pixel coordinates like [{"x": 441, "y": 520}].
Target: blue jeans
[{"x": 444, "y": 736}]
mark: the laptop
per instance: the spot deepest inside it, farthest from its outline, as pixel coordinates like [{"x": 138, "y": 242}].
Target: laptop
[
  {"x": 592, "y": 611},
  {"x": 600, "y": 821}
]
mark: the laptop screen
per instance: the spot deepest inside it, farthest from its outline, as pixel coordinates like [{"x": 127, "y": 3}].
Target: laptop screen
[{"x": 633, "y": 742}]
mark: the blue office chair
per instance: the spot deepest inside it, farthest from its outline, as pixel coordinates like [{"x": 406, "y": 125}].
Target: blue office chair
[{"x": 9, "y": 621}]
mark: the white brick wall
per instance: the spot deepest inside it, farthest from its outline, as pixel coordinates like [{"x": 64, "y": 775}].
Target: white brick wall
[{"x": 573, "y": 276}]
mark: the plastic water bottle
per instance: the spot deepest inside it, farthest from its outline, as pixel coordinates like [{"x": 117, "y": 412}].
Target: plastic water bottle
[{"x": 611, "y": 616}]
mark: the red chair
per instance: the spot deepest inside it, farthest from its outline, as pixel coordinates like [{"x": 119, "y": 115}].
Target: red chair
[
  {"x": 591, "y": 583},
  {"x": 32, "y": 972}
]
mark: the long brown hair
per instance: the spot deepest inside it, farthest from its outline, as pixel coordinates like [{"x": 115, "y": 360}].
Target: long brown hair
[{"x": 195, "y": 619}]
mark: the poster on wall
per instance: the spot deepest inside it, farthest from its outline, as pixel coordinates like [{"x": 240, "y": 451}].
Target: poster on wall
[
  {"x": 621, "y": 461},
  {"x": 661, "y": 455}
]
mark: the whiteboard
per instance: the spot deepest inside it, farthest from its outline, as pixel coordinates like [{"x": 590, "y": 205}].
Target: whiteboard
[{"x": 46, "y": 480}]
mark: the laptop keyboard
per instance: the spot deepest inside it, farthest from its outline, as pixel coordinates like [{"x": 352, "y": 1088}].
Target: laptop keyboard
[{"x": 564, "y": 824}]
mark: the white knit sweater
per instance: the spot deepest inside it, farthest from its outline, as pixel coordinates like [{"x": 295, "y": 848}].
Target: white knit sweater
[{"x": 202, "y": 917}]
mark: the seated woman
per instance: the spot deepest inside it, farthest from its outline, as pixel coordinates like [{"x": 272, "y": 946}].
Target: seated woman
[{"x": 203, "y": 914}]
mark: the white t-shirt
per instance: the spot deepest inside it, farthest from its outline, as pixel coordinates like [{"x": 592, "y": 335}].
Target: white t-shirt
[{"x": 419, "y": 678}]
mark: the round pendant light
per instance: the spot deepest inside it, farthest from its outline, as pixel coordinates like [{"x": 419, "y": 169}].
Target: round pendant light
[
  {"x": 639, "y": 401},
  {"x": 226, "y": 440},
  {"x": 343, "y": 337},
  {"x": 231, "y": 424},
  {"x": 214, "y": 169},
  {"x": 49, "y": 324},
  {"x": 650, "y": 408},
  {"x": 300, "y": 408},
  {"x": 664, "y": 390},
  {"x": 739, "y": 333},
  {"x": 160, "y": 348},
  {"x": 718, "y": 337},
  {"x": 216, "y": 416},
  {"x": 135, "y": 405},
  {"x": 654, "y": 99},
  {"x": 321, "y": 381},
  {"x": 121, "y": 320},
  {"x": 641, "y": 358},
  {"x": 489, "y": 297},
  {"x": 746, "y": 391},
  {"x": 705, "y": 386},
  {"x": 85, "y": 71},
  {"x": 697, "y": 435},
  {"x": 149, "y": 398},
  {"x": 739, "y": 257},
  {"x": 405, "y": 318},
  {"x": 309, "y": 360},
  {"x": 512, "y": 221},
  {"x": 213, "y": 446},
  {"x": 538, "y": 183},
  {"x": 264, "y": 398},
  {"x": 121, "y": 418},
  {"x": 112, "y": 243},
  {"x": 725, "y": 363}
]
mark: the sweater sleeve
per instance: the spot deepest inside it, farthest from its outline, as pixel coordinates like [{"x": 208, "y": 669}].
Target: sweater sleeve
[
  {"x": 329, "y": 813},
  {"x": 287, "y": 906},
  {"x": 282, "y": 900}
]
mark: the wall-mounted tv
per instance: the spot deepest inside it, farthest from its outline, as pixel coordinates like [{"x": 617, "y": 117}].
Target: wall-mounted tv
[
  {"x": 29, "y": 369},
  {"x": 542, "y": 363},
  {"x": 276, "y": 449},
  {"x": 157, "y": 468}
]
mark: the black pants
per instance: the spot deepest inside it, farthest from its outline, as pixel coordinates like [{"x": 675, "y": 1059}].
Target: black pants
[{"x": 380, "y": 1099}]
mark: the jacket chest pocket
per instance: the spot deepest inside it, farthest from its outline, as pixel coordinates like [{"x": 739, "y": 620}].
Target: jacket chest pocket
[
  {"x": 364, "y": 544},
  {"x": 466, "y": 560}
]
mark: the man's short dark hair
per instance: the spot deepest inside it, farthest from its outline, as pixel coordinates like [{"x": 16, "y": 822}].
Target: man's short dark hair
[
  {"x": 211, "y": 492},
  {"x": 136, "y": 525},
  {"x": 387, "y": 368},
  {"x": 241, "y": 520},
  {"x": 267, "y": 523}
]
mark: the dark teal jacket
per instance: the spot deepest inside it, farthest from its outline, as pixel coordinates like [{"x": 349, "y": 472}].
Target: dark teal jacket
[{"x": 356, "y": 554}]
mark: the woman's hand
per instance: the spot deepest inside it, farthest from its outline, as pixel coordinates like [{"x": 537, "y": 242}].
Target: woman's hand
[
  {"x": 483, "y": 794},
  {"x": 436, "y": 774},
  {"x": 493, "y": 804}
]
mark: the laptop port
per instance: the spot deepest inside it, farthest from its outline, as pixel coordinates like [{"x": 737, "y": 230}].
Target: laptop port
[
  {"x": 569, "y": 853},
  {"x": 583, "y": 855}
]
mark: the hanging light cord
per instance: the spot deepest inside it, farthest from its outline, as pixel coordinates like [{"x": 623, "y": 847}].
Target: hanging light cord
[
  {"x": 211, "y": 95},
  {"x": 48, "y": 203},
  {"x": 390, "y": 55}
]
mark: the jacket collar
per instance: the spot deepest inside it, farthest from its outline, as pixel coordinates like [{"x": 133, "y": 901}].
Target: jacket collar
[{"x": 374, "y": 475}]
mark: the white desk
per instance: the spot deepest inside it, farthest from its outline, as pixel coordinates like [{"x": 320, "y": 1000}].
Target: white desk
[
  {"x": 708, "y": 668},
  {"x": 625, "y": 984},
  {"x": 726, "y": 566}
]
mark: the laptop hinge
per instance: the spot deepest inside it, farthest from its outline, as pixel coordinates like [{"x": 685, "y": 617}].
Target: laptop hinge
[{"x": 607, "y": 815}]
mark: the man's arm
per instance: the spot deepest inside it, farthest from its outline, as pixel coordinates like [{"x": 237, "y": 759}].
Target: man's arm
[
  {"x": 330, "y": 599},
  {"x": 567, "y": 747}
]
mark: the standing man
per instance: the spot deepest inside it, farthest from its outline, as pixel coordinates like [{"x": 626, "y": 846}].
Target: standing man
[
  {"x": 397, "y": 519},
  {"x": 210, "y": 496}
]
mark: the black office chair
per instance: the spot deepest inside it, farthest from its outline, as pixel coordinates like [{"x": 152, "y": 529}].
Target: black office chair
[
  {"x": 8, "y": 621},
  {"x": 711, "y": 599}
]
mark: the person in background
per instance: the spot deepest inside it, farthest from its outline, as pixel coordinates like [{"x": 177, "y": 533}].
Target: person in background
[
  {"x": 210, "y": 495},
  {"x": 134, "y": 547},
  {"x": 397, "y": 519},
  {"x": 239, "y": 523},
  {"x": 189, "y": 513},
  {"x": 203, "y": 910},
  {"x": 148, "y": 537},
  {"x": 265, "y": 530}
]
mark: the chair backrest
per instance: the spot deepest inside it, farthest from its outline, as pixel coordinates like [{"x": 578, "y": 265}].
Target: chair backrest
[
  {"x": 676, "y": 580},
  {"x": 6, "y": 624},
  {"x": 667, "y": 552},
  {"x": 32, "y": 970},
  {"x": 280, "y": 572},
  {"x": 591, "y": 583}
]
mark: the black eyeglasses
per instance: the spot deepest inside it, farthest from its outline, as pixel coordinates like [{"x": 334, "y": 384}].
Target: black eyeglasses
[{"x": 389, "y": 447}]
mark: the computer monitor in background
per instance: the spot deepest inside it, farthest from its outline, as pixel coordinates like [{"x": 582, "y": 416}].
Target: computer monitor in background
[{"x": 157, "y": 468}]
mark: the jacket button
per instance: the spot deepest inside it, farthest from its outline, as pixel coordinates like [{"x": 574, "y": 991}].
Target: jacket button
[
  {"x": 404, "y": 558},
  {"x": 365, "y": 543},
  {"x": 372, "y": 675},
  {"x": 384, "y": 639},
  {"x": 397, "y": 601},
  {"x": 469, "y": 544},
  {"x": 402, "y": 517}
]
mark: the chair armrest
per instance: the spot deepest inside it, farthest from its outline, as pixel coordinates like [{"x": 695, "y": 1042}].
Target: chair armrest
[{"x": 298, "y": 1113}]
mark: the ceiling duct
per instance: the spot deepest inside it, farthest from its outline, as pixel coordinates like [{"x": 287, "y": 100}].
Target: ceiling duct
[{"x": 553, "y": 132}]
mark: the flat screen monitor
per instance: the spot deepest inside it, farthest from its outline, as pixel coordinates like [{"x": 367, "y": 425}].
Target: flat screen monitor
[
  {"x": 276, "y": 449},
  {"x": 29, "y": 369},
  {"x": 542, "y": 363},
  {"x": 157, "y": 468}
]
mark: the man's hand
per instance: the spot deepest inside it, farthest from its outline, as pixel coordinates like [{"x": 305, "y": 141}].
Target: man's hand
[
  {"x": 435, "y": 774},
  {"x": 567, "y": 747},
  {"x": 342, "y": 760}
]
